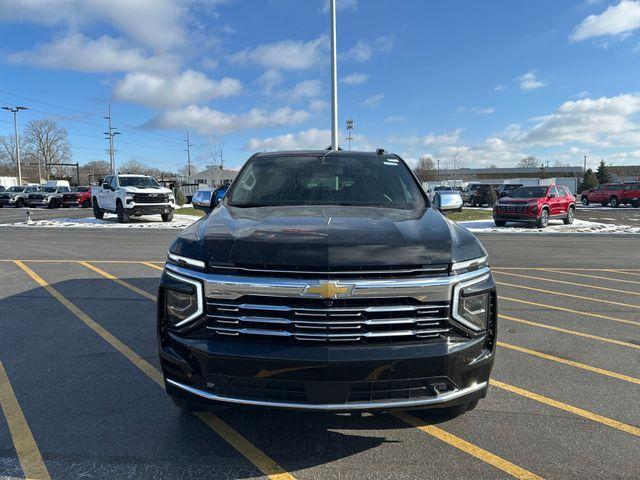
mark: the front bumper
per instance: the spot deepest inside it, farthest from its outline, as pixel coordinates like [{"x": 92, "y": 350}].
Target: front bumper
[
  {"x": 430, "y": 373},
  {"x": 37, "y": 202},
  {"x": 148, "y": 209},
  {"x": 515, "y": 218},
  {"x": 6, "y": 201}
]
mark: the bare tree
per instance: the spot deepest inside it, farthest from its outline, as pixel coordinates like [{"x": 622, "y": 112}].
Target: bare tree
[
  {"x": 456, "y": 163},
  {"x": 529, "y": 162},
  {"x": 425, "y": 169},
  {"x": 133, "y": 166},
  {"x": 8, "y": 153},
  {"x": 49, "y": 145}
]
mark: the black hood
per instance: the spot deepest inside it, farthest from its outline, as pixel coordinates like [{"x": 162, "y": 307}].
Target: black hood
[{"x": 326, "y": 237}]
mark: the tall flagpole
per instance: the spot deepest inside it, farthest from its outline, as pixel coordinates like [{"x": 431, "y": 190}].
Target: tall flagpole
[{"x": 334, "y": 79}]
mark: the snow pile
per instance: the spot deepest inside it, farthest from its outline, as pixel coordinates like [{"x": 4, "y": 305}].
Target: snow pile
[
  {"x": 111, "y": 221},
  {"x": 578, "y": 226}
]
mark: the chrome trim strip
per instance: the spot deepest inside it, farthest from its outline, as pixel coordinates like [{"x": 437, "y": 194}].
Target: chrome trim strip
[
  {"x": 466, "y": 264},
  {"x": 231, "y": 287},
  {"x": 199, "y": 298},
  {"x": 456, "y": 300},
  {"x": 189, "y": 261},
  {"x": 337, "y": 272},
  {"x": 330, "y": 407}
]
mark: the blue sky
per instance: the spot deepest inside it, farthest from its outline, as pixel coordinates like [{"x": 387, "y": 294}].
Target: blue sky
[{"x": 469, "y": 83}]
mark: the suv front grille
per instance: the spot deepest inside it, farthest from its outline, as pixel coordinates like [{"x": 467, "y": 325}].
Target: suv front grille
[
  {"x": 385, "y": 271},
  {"x": 150, "y": 198},
  {"x": 511, "y": 208},
  {"x": 316, "y": 320}
]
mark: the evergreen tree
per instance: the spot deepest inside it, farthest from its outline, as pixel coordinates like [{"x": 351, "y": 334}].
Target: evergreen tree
[
  {"x": 589, "y": 180},
  {"x": 180, "y": 198},
  {"x": 603, "y": 173}
]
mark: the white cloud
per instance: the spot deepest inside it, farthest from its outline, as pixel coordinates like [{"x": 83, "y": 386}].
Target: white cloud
[
  {"x": 209, "y": 63},
  {"x": 479, "y": 111},
  {"x": 207, "y": 121},
  {"x": 618, "y": 19},
  {"x": 363, "y": 50},
  {"x": 395, "y": 119},
  {"x": 373, "y": 100},
  {"x": 355, "y": 79},
  {"x": 105, "y": 54},
  {"x": 156, "y": 23},
  {"x": 312, "y": 139},
  {"x": 606, "y": 122},
  {"x": 499, "y": 88},
  {"x": 431, "y": 140},
  {"x": 285, "y": 55},
  {"x": 269, "y": 80},
  {"x": 529, "y": 81},
  {"x": 318, "y": 106},
  {"x": 187, "y": 88},
  {"x": 303, "y": 90}
]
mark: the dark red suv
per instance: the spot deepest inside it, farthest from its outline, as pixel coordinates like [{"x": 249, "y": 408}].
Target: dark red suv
[
  {"x": 631, "y": 195},
  {"x": 605, "y": 194},
  {"x": 536, "y": 205}
]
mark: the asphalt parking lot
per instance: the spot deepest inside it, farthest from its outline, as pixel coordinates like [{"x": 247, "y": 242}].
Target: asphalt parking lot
[{"x": 82, "y": 395}]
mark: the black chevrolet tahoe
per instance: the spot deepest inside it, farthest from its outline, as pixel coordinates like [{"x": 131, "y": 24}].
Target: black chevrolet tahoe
[{"x": 325, "y": 281}]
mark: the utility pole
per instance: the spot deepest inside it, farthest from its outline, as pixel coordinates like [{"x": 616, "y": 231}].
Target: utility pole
[
  {"x": 585, "y": 164},
  {"x": 109, "y": 136},
  {"x": 334, "y": 79},
  {"x": 438, "y": 162},
  {"x": 188, "y": 150},
  {"x": 349, "y": 129},
  {"x": 15, "y": 111}
]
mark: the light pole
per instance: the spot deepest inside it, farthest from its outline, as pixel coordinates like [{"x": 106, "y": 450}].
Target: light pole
[
  {"x": 349, "y": 129},
  {"x": 188, "y": 157},
  {"x": 15, "y": 111},
  {"x": 334, "y": 79}
]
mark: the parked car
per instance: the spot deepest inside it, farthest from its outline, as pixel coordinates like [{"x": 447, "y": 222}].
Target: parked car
[
  {"x": 605, "y": 194},
  {"x": 325, "y": 268},
  {"x": 201, "y": 200},
  {"x": 132, "y": 195},
  {"x": 536, "y": 205},
  {"x": 483, "y": 195},
  {"x": 468, "y": 190},
  {"x": 631, "y": 195},
  {"x": 506, "y": 188},
  {"x": 16, "y": 196},
  {"x": 78, "y": 196},
  {"x": 50, "y": 197}
]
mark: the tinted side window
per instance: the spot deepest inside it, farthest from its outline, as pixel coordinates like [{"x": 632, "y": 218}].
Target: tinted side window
[{"x": 114, "y": 182}]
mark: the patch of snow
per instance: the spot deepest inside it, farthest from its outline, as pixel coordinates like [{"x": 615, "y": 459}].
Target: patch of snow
[
  {"x": 578, "y": 226},
  {"x": 110, "y": 221}
]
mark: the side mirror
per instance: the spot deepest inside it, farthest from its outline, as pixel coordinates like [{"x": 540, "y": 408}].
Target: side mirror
[
  {"x": 447, "y": 203},
  {"x": 106, "y": 186}
]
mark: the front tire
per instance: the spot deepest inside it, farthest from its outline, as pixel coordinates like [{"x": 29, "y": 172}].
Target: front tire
[
  {"x": 97, "y": 213},
  {"x": 86, "y": 203},
  {"x": 167, "y": 217},
  {"x": 500, "y": 223},
  {"x": 570, "y": 216},
  {"x": 635, "y": 204},
  {"x": 543, "y": 219},
  {"x": 53, "y": 203},
  {"x": 585, "y": 201},
  {"x": 19, "y": 203},
  {"x": 123, "y": 217},
  {"x": 614, "y": 202},
  {"x": 604, "y": 203}
]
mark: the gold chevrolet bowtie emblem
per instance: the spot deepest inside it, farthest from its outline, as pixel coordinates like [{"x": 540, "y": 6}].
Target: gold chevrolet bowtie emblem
[{"x": 328, "y": 290}]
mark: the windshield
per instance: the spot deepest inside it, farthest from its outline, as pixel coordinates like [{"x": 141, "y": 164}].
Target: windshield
[
  {"x": 16, "y": 189},
  {"x": 49, "y": 189},
  {"x": 529, "y": 192},
  {"x": 330, "y": 180},
  {"x": 143, "y": 182}
]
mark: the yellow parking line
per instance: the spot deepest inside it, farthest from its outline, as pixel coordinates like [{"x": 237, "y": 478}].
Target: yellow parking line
[
  {"x": 470, "y": 448},
  {"x": 570, "y": 295},
  {"x": 571, "y": 363},
  {"x": 624, "y": 427},
  {"x": 462, "y": 444},
  {"x": 569, "y": 310},
  {"x": 265, "y": 464},
  {"x": 151, "y": 265},
  {"x": 586, "y": 275},
  {"x": 139, "y": 291},
  {"x": 552, "y": 280},
  {"x": 613, "y": 341},
  {"x": 28, "y": 453}
]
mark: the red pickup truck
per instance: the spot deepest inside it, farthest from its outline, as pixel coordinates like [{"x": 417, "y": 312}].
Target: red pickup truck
[{"x": 80, "y": 196}]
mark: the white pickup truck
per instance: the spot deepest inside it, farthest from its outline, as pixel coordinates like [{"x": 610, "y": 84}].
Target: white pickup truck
[{"x": 132, "y": 195}]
